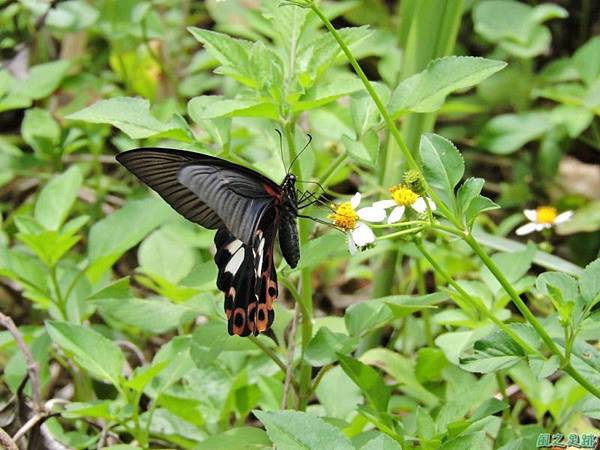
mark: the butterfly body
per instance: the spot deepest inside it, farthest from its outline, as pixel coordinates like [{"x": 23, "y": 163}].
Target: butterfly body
[{"x": 247, "y": 209}]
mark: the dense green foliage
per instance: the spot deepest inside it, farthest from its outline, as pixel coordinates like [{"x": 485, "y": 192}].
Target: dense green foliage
[{"x": 448, "y": 331}]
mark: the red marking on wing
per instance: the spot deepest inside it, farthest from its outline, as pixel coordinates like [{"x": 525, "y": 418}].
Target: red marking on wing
[{"x": 273, "y": 193}]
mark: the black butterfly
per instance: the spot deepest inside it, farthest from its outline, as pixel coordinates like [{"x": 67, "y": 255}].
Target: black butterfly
[{"x": 246, "y": 208}]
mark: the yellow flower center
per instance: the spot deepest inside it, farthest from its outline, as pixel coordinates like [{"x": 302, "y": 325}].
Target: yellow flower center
[
  {"x": 344, "y": 216},
  {"x": 546, "y": 214},
  {"x": 403, "y": 196}
]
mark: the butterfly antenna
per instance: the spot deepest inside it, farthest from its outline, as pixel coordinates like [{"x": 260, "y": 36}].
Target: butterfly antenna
[
  {"x": 321, "y": 221},
  {"x": 281, "y": 145},
  {"x": 301, "y": 151}
]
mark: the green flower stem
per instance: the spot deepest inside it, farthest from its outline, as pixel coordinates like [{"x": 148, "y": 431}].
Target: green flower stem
[
  {"x": 474, "y": 303},
  {"x": 410, "y": 159},
  {"x": 400, "y": 233},
  {"x": 271, "y": 354}
]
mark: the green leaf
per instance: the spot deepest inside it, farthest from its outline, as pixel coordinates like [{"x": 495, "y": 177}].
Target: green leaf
[
  {"x": 365, "y": 316},
  {"x": 112, "y": 236},
  {"x": 152, "y": 316},
  {"x": 402, "y": 371},
  {"x": 382, "y": 442},
  {"x": 338, "y": 394},
  {"x": 43, "y": 79},
  {"x": 99, "y": 409},
  {"x": 368, "y": 380},
  {"x": 404, "y": 305},
  {"x": 507, "y": 133},
  {"x": 324, "y": 248},
  {"x": 364, "y": 151},
  {"x": 585, "y": 219},
  {"x": 295, "y": 430},
  {"x": 232, "y": 54},
  {"x": 41, "y": 132},
  {"x": 247, "y": 438},
  {"x": 49, "y": 246},
  {"x": 443, "y": 167},
  {"x": 586, "y": 60},
  {"x": 215, "y": 106},
  {"x": 325, "y": 92},
  {"x": 492, "y": 353},
  {"x": 478, "y": 205},
  {"x": 516, "y": 26},
  {"x": 92, "y": 351},
  {"x": 541, "y": 258},
  {"x": 165, "y": 253},
  {"x": 325, "y": 344},
  {"x": 132, "y": 116},
  {"x": 208, "y": 341},
  {"x": 57, "y": 197},
  {"x": 589, "y": 283},
  {"x": 426, "y": 91}
]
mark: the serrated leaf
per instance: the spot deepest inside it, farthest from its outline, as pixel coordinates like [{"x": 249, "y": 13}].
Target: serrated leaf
[
  {"x": 215, "y": 107},
  {"x": 443, "y": 167},
  {"x": 294, "y": 430},
  {"x": 92, "y": 351},
  {"x": 494, "y": 352},
  {"x": 382, "y": 442},
  {"x": 589, "y": 283},
  {"x": 426, "y": 91},
  {"x": 152, "y": 316},
  {"x": 57, "y": 197},
  {"x": 132, "y": 116},
  {"x": 325, "y": 344}
]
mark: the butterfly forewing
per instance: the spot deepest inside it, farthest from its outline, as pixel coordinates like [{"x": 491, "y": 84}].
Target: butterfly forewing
[
  {"x": 247, "y": 208},
  {"x": 158, "y": 168}
]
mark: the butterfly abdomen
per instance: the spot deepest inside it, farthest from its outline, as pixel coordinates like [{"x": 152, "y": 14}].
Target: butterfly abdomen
[{"x": 288, "y": 240}]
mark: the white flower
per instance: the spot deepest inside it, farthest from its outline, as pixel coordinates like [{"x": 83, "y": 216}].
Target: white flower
[
  {"x": 401, "y": 198},
  {"x": 346, "y": 216},
  {"x": 541, "y": 218}
]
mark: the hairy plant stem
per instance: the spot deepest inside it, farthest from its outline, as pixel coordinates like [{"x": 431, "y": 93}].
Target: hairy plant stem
[{"x": 473, "y": 302}]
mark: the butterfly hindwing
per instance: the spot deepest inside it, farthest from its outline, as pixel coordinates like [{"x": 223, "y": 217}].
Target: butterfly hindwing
[{"x": 247, "y": 278}]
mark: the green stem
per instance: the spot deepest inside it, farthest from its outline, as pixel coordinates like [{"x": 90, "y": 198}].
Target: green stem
[
  {"x": 60, "y": 303},
  {"x": 522, "y": 307},
  {"x": 289, "y": 127},
  {"x": 422, "y": 289},
  {"x": 271, "y": 354}
]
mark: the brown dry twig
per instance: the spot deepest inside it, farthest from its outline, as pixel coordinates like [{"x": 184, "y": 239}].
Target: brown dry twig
[{"x": 32, "y": 367}]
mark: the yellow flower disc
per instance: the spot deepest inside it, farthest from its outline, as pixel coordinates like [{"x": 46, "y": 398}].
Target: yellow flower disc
[
  {"x": 344, "y": 216},
  {"x": 403, "y": 196},
  {"x": 546, "y": 214}
]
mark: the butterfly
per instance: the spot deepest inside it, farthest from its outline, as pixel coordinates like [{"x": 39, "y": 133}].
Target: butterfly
[{"x": 247, "y": 209}]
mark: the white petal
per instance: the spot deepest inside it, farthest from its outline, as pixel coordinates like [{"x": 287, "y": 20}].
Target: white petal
[
  {"x": 563, "y": 217},
  {"x": 384, "y": 204},
  {"x": 371, "y": 214},
  {"x": 396, "y": 214},
  {"x": 541, "y": 226},
  {"x": 531, "y": 214},
  {"x": 351, "y": 244},
  {"x": 419, "y": 205},
  {"x": 526, "y": 229},
  {"x": 355, "y": 201},
  {"x": 362, "y": 235},
  {"x": 432, "y": 204}
]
